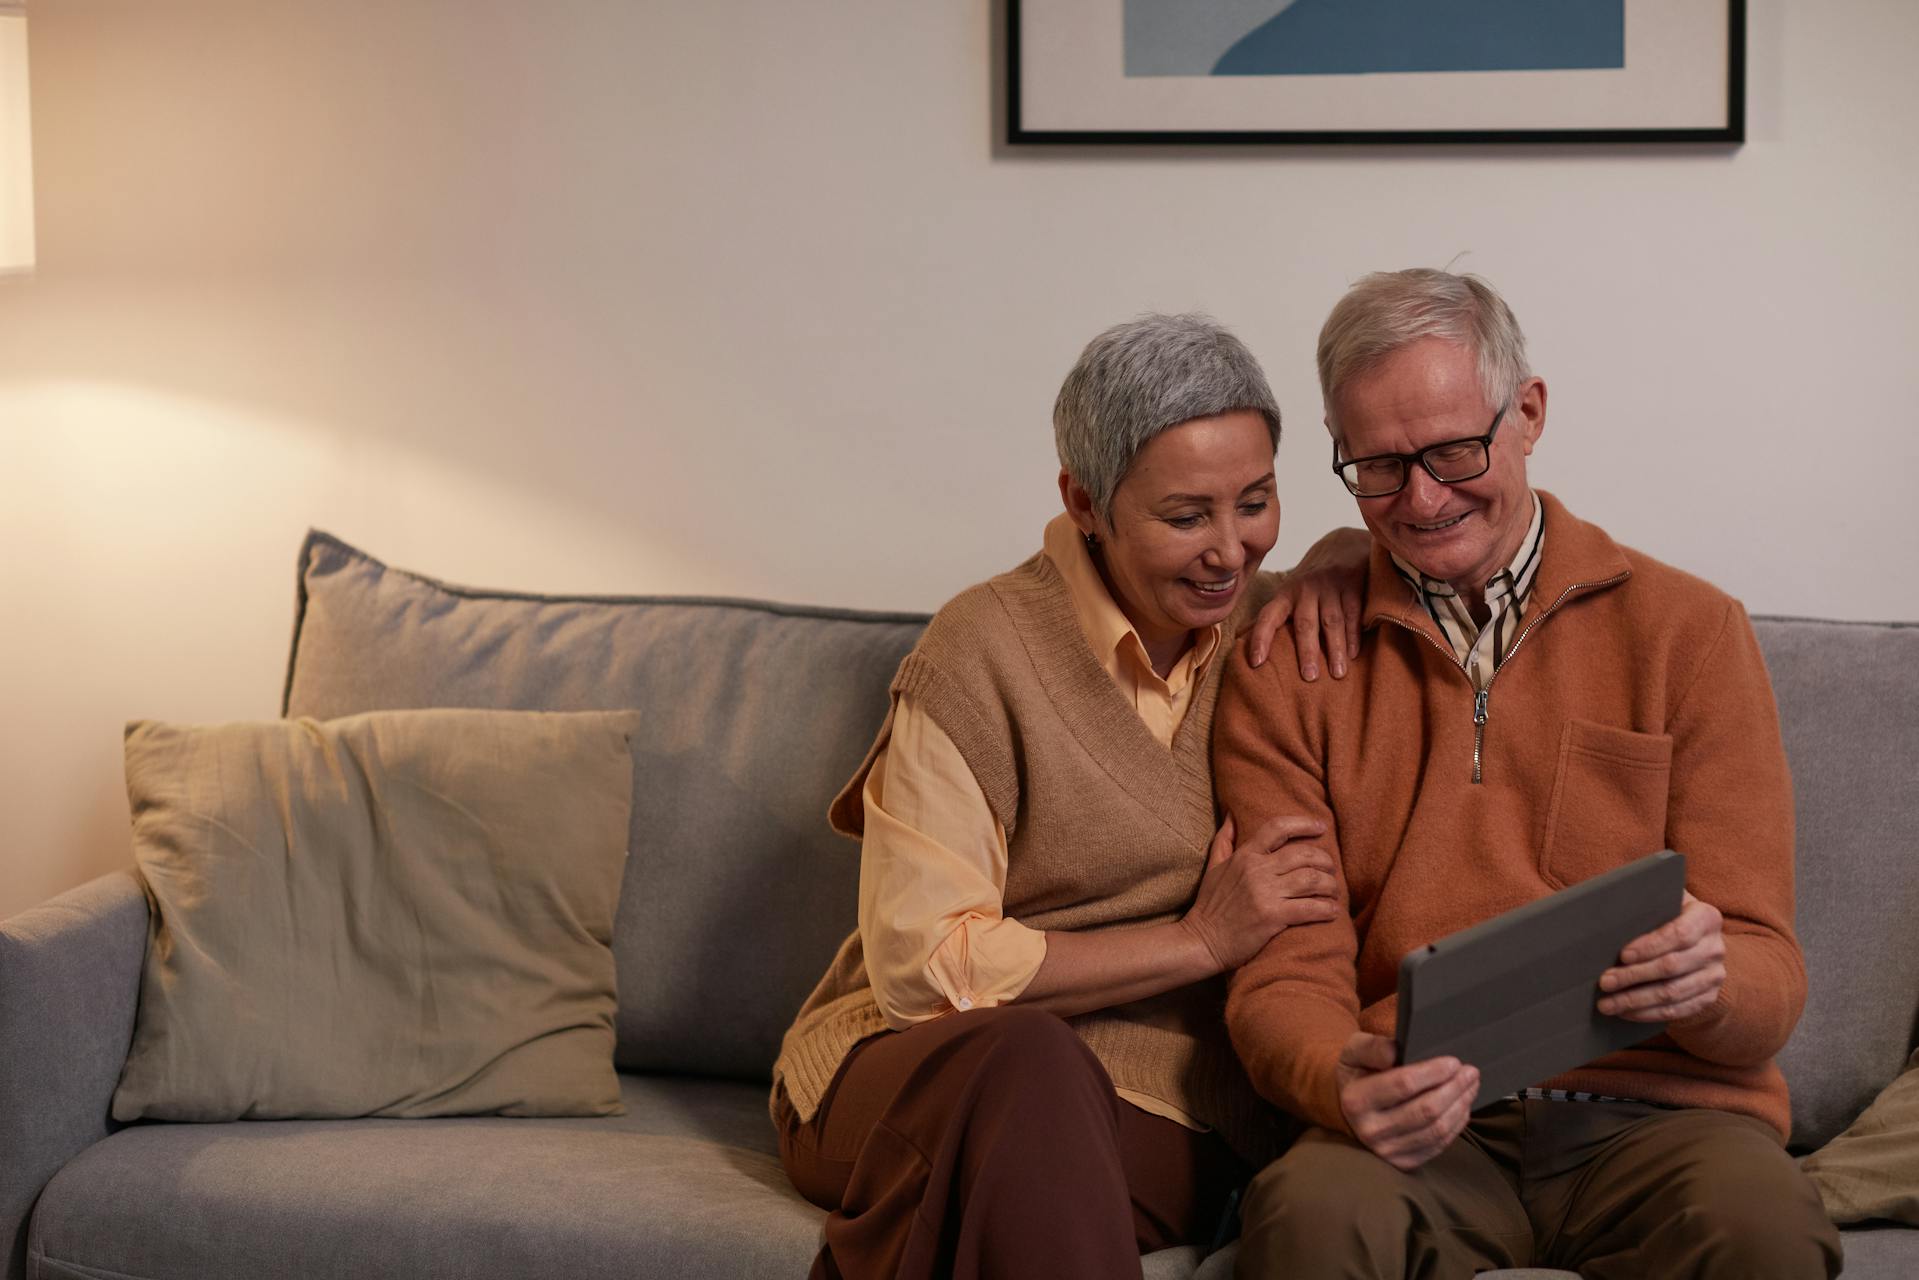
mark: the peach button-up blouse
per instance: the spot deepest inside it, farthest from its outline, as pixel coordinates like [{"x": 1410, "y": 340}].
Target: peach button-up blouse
[{"x": 933, "y": 859}]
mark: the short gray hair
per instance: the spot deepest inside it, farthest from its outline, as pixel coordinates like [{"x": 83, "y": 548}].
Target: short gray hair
[
  {"x": 1388, "y": 310},
  {"x": 1140, "y": 378}
]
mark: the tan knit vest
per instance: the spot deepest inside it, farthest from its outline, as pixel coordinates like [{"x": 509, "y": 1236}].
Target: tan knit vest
[{"x": 1105, "y": 828}]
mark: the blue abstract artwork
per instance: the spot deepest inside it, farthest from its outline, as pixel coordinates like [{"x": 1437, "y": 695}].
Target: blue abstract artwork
[{"x": 1349, "y": 37}]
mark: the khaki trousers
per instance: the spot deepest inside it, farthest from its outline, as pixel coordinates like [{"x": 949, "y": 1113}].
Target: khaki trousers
[
  {"x": 991, "y": 1143},
  {"x": 1614, "y": 1191}
]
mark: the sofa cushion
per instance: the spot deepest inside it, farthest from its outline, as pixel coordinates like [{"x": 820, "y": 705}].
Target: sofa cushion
[
  {"x": 737, "y": 894},
  {"x": 399, "y": 914},
  {"x": 1879, "y": 1253},
  {"x": 686, "y": 1185},
  {"x": 1849, "y": 711},
  {"x": 683, "y": 1185}
]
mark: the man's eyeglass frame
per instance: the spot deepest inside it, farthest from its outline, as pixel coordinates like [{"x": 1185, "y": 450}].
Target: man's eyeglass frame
[{"x": 1406, "y": 461}]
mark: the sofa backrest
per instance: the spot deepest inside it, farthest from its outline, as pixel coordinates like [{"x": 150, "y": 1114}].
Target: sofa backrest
[
  {"x": 1848, "y": 697},
  {"x": 737, "y": 893}
]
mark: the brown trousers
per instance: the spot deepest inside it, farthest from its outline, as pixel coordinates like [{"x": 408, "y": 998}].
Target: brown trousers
[
  {"x": 1614, "y": 1191},
  {"x": 991, "y": 1143}
]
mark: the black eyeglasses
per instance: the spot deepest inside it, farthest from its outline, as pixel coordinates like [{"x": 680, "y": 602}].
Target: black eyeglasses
[{"x": 1448, "y": 462}]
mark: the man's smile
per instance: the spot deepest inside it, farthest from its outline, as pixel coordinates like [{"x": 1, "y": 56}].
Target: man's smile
[{"x": 1438, "y": 526}]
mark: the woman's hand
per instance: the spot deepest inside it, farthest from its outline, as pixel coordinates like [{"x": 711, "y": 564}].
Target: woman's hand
[
  {"x": 1271, "y": 882},
  {"x": 1323, "y": 595},
  {"x": 1246, "y": 895}
]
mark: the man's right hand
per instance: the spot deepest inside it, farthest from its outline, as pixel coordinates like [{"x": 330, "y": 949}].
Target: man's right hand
[{"x": 1404, "y": 1115}]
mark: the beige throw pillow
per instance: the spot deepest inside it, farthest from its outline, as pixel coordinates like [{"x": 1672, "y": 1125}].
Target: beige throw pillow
[
  {"x": 406, "y": 913},
  {"x": 1871, "y": 1171}
]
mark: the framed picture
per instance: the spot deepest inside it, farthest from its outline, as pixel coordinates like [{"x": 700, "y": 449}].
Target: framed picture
[{"x": 1375, "y": 71}]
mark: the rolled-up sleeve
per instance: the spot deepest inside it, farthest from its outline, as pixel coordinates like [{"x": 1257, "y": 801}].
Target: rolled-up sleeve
[{"x": 933, "y": 880}]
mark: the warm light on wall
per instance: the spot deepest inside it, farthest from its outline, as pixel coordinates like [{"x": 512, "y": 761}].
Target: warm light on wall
[{"x": 16, "y": 143}]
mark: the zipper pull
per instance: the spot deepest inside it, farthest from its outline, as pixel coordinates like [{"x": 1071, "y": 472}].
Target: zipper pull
[{"x": 1479, "y": 731}]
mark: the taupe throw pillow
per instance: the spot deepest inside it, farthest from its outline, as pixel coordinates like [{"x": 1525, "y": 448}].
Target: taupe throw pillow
[
  {"x": 1871, "y": 1171},
  {"x": 405, "y": 913}
]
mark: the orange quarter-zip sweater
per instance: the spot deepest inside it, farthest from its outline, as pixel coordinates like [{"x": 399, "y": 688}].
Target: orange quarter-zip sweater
[{"x": 1632, "y": 714}]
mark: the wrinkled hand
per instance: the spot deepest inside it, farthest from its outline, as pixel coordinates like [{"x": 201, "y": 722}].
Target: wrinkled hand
[
  {"x": 1323, "y": 595},
  {"x": 1671, "y": 973},
  {"x": 1404, "y": 1115},
  {"x": 1269, "y": 883}
]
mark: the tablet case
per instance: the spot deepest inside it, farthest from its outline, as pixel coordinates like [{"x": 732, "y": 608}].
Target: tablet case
[{"x": 1515, "y": 995}]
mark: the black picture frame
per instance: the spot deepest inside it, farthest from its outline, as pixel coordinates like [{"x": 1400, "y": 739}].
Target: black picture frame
[{"x": 1021, "y": 131}]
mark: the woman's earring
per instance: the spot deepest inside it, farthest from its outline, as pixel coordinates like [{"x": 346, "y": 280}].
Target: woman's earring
[{"x": 1092, "y": 541}]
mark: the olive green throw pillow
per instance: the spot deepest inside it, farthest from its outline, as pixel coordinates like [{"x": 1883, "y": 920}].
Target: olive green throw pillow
[
  {"x": 407, "y": 913},
  {"x": 1870, "y": 1172}
]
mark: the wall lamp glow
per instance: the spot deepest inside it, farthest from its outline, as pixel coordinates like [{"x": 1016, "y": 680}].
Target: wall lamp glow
[{"x": 16, "y": 142}]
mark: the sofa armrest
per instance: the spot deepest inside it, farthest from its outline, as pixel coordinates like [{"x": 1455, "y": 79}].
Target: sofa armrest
[{"x": 69, "y": 983}]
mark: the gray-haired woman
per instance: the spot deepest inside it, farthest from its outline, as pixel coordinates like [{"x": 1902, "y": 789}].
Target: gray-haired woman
[{"x": 1017, "y": 1064}]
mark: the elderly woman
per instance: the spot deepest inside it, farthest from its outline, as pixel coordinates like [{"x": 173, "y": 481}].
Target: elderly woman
[{"x": 1017, "y": 1064}]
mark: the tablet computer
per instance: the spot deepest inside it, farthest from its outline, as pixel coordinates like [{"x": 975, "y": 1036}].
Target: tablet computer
[{"x": 1516, "y": 995}]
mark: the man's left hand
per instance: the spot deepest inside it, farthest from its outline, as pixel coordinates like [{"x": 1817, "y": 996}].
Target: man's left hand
[{"x": 1671, "y": 973}]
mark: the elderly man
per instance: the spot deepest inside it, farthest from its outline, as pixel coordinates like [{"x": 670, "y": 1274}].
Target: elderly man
[{"x": 1532, "y": 704}]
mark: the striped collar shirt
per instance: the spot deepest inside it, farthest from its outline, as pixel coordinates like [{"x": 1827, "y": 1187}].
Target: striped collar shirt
[{"x": 1480, "y": 648}]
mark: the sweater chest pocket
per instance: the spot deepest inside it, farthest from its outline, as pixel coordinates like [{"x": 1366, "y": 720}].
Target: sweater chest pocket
[{"x": 1608, "y": 801}]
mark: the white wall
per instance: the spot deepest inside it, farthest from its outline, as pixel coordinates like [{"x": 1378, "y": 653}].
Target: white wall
[{"x": 744, "y": 299}]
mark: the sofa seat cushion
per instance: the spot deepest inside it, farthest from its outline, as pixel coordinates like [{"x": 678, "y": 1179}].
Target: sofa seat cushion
[
  {"x": 685, "y": 1184},
  {"x": 1880, "y": 1253}
]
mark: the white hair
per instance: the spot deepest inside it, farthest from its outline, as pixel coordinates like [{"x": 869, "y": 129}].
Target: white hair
[
  {"x": 1140, "y": 378},
  {"x": 1388, "y": 310}
]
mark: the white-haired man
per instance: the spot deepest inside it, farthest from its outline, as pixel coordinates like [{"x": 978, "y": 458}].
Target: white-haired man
[{"x": 1532, "y": 704}]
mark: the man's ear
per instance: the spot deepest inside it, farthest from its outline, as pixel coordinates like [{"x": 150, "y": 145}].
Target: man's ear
[
  {"x": 1079, "y": 503},
  {"x": 1529, "y": 408}
]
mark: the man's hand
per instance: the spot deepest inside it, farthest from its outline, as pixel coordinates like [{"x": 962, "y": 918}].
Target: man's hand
[
  {"x": 1323, "y": 595},
  {"x": 1404, "y": 1115},
  {"x": 1671, "y": 973}
]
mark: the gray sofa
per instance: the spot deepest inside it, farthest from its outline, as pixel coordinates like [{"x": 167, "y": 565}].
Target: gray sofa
[{"x": 733, "y": 901}]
